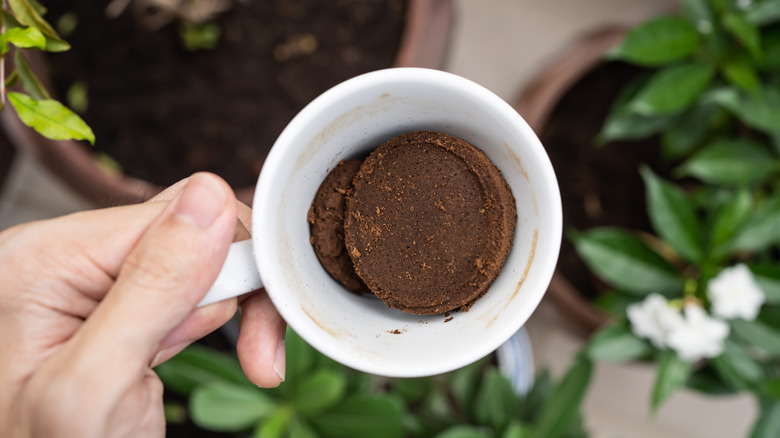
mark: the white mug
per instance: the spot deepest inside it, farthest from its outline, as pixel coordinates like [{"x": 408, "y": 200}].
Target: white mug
[{"x": 360, "y": 331}]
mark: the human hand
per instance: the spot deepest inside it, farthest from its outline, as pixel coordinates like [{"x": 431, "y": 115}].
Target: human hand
[{"x": 91, "y": 301}]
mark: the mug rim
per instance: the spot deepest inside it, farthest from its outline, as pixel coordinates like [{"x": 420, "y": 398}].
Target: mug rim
[{"x": 270, "y": 176}]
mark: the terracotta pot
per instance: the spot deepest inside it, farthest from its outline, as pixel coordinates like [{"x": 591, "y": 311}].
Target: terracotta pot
[
  {"x": 423, "y": 44},
  {"x": 536, "y": 104}
]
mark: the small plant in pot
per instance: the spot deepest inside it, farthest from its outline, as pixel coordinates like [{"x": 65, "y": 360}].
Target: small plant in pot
[
  {"x": 321, "y": 398},
  {"x": 700, "y": 293}
]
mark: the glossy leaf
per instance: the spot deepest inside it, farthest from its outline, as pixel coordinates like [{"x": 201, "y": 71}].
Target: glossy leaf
[
  {"x": 672, "y": 216},
  {"x": 707, "y": 381},
  {"x": 26, "y": 38},
  {"x": 737, "y": 368},
  {"x": 742, "y": 75},
  {"x": 361, "y": 416},
  {"x": 464, "y": 431},
  {"x": 760, "y": 110},
  {"x": 622, "y": 123},
  {"x": 761, "y": 230},
  {"x": 50, "y": 118},
  {"x": 727, "y": 221},
  {"x": 27, "y": 14},
  {"x": 226, "y": 407},
  {"x": 672, "y": 89},
  {"x": 197, "y": 365},
  {"x": 496, "y": 401},
  {"x": 688, "y": 131},
  {"x": 562, "y": 407},
  {"x": 759, "y": 335},
  {"x": 30, "y": 82},
  {"x": 672, "y": 374},
  {"x": 658, "y": 41},
  {"x": 744, "y": 31},
  {"x": 768, "y": 278},
  {"x": 731, "y": 162},
  {"x": 768, "y": 423},
  {"x": 616, "y": 343},
  {"x": 319, "y": 391},
  {"x": 627, "y": 263}
]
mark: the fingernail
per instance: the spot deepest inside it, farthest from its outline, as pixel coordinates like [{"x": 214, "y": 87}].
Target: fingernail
[
  {"x": 201, "y": 201},
  {"x": 167, "y": 353},
  {"x": 279, "y": 360}
]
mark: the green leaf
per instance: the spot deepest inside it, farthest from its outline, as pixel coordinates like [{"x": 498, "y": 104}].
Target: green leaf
[
  {"x": 622, "y": 123},
  {"x": 768, "y": 278},
  {"x": 28, "y": 37},
  {"x": 707, "y": 381},
  {"x": 742, "y": 75},
  {"x": 672, "y": 216},
  {"x": 297, "y": 428},
  {"x": 687, "y": 131},
  {"x": 536, "y": 396},
  {"x": 465, "y": 383},
  {"x": 197, "y": 365},
  {"x": 361, "y": 416},
  {"x": 758, "y": 335},
  {"x": 299, "y": 357},
  {"x": 701, "y": 14},
  {"x": 32, "y": 85},
  {"x": 762, "y": 12},
  {"x": 672, "y": 374},
  {"x": 562, "y": 407},
  {"x": 496, "y": 401},
  {"x": 737, "y": 368},
  {"x": 625, "y": 262},
  {"x": 770, "y": 44},
  {"x": 761, "y": 230},
  {"x": 616, "y": 343},
  {"x": 727, "y": 221},
  {"x": 319, "y": 391},
  {"x": 27, "y": 14},
  {"x": 731, "y": 161},
  {"x": 658, "y": 41},
  {"x": 226, "y": 407},
  {"x": 275, "y": 425},
  {"x": 760, "y": 110},
  {"x": 515, "y": 429},
  {"x": 413, "y": 390},
  {"x": 768, "y": 423},
  {"x": 613, "y": 302},
  {"x": 464, "y": 431},
  {"x": 745, "y": 32},
  {"x": 672, "y": 89},
  {"x": 50, "y": 118}
]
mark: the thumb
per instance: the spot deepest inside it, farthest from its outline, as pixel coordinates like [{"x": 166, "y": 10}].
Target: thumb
[{"x": 174, "y": 263}]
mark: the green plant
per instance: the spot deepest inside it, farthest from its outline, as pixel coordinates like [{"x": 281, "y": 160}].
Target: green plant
[
  {"x": 321, "y": 398},
  {"x": 701, "y": 297},
  {"x": 24, "y": 27}
]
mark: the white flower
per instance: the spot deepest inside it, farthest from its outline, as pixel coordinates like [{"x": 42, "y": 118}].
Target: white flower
[
  {"x": 734, "y": 293},
  {"x": 654, "y": 319},
  {"x": 699, "y": 336}
]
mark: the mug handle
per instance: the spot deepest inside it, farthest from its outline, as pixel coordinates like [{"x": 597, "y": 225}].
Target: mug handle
[{"x": 238, "y": 275}]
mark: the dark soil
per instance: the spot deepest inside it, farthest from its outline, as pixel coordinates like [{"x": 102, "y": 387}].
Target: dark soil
[
  {"x": 164, "y": 112},
  {"x": 600, "y": 186}
]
